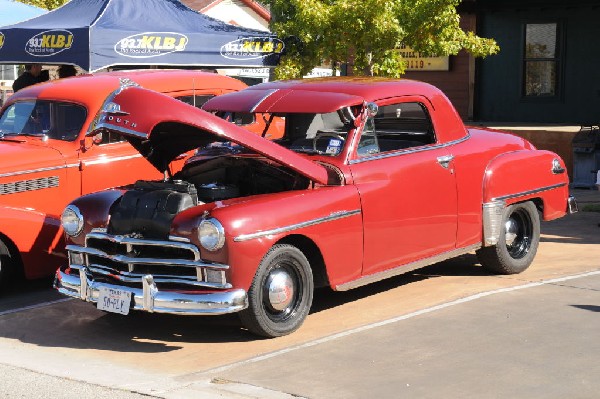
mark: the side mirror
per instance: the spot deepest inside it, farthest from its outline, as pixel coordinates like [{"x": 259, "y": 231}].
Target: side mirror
[{"x": 372, "y": 109}]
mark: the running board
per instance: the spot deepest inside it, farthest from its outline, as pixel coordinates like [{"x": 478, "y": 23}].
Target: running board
[{"x": 371, "y": 278}]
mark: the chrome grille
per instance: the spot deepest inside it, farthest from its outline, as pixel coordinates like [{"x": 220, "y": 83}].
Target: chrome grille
[
  {"x": 28, "y": 185},
  {"x": 126, "y": 260}
]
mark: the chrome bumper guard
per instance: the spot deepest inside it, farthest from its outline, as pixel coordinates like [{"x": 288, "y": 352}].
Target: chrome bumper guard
[
  {"x": 150, "y": 299},
  {"x": 572, "y": 205}
]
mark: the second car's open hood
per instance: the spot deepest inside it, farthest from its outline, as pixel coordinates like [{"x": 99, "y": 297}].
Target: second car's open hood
[{"x": 161, "y": 128}]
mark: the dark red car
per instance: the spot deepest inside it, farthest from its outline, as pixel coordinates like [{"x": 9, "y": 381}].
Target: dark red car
[{"x": 372, "y": 178}]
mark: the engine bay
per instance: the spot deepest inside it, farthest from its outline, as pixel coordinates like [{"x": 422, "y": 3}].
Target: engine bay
[{"x": 148, "y": 207}]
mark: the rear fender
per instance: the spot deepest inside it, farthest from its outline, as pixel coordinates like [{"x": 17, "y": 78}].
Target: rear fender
[
  {"x": 521, "y": 176},
  {"x": 38, "y": 238}
]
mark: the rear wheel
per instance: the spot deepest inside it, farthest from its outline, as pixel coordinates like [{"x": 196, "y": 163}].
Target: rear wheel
[
  {"x": 281, "y": 293},
  {"x": 518, "y": 243}
]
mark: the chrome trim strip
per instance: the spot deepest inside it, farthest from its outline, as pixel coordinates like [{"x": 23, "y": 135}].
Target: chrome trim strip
[
  {"x": 107, "y": 106},
  {"x": 267, "y": 95},
  {"x": 179, "y": 239},
  {"x": 120, "y": 129},
  {"x": 285, "y": 229},
  {"x": 371, "y": 278},
  {"x": 529, "y": 192},
  {"x": 425, "y": 147},
  {"x": 128, "y": 260},
  {"x": 24, "y": 172},
  {"x": 135, "y": 241},
  {"x": 128, "y": 277},
  {"x": 108, "y": 159},
  {"x": 151, "y": 299}
]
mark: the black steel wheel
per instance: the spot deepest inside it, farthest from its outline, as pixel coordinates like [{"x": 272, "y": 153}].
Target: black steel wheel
[
  {"x": 518, "y": 243},
  {"x": 281, "y": 293}
]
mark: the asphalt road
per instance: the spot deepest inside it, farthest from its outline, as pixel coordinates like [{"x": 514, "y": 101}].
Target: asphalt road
[{"x": 448, "y": 330}]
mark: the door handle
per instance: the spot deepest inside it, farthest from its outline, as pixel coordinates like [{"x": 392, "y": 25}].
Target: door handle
[{"x": 445, "y": 160}]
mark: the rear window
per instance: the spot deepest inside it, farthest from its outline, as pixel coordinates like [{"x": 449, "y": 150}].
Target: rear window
[{"x": 57, "y": 120}]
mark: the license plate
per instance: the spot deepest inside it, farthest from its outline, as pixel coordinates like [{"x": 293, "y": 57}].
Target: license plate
[{"x": 114, "y": 300}]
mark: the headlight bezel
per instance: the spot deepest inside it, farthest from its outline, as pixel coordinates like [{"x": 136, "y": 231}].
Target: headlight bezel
[
  {"x": 75, "y": 213},
  {"x": 211, "y": 234}
]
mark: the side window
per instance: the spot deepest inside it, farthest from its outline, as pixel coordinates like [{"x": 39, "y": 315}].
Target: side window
[
  {"x": 196, "y": 101},
  {"x": 396, "y": 127}
]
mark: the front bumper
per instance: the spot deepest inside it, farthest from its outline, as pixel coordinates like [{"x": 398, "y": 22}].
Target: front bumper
[{"x": 150, "y": 299}]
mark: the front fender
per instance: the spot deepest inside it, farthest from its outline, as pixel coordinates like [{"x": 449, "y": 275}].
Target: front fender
[
  {"x": 527, "y": 174},
  {"x": 328, "y": 216},
  {"x": 38, "y": 237}
]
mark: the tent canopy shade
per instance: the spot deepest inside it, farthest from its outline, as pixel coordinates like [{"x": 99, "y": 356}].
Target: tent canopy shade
[{"x": 95, "y": 34}]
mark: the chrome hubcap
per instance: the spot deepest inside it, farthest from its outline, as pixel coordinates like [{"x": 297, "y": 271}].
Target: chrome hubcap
[
  {"x": 511, "y": 228},
  {"x": 280, "y": 286}
]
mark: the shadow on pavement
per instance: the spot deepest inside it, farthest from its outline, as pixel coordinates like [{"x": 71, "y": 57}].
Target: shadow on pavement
[{"x": 592, "y": 308}]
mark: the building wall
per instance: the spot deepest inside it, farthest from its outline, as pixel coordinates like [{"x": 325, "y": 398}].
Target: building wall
[{"x": 498, "y": 95}]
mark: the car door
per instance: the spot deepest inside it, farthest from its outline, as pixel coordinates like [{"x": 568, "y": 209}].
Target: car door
[{"x": 407, "y": 186}]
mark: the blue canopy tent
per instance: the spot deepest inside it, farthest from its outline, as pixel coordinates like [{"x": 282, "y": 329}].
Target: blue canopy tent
[{"x": 95, "y": 34}]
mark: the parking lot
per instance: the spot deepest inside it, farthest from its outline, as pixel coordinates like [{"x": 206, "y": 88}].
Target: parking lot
[{"x": 448, "y": 330}]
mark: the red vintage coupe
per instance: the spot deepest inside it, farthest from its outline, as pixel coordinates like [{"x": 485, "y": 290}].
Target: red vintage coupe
[
  {"x": 49, "y": 157},
  {"x": 371, "y": 178}
]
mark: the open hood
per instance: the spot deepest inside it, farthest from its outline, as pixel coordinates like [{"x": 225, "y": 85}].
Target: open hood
[{"x": 161, "y": 128}]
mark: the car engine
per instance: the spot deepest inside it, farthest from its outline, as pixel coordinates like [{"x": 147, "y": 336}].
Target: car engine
[{"x": 148, "y": 207}]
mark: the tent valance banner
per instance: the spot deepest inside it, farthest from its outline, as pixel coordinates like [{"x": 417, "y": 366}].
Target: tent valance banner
[{"x": 95, "y": 34}]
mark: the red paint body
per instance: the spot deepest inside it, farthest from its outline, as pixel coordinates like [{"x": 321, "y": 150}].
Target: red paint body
[{"x": 30, "y": 218}]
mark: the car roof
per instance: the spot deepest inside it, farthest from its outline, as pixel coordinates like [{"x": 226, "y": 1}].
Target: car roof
[
  {"x": 92, "y": 89},
  {"x": 355, "y": 89},
  {"x": 370, "y": 88}
]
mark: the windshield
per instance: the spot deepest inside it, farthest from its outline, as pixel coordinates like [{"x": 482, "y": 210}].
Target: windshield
[
  {"x": 57, "y": 120},
  {"x": 308, "y": 133}
]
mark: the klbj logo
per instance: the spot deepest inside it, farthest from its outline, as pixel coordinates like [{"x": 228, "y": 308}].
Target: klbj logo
[
  {"x": 151, "y": 44},
  {"x": 49, "y": 43},
  {"x": 251, "y": 47}
]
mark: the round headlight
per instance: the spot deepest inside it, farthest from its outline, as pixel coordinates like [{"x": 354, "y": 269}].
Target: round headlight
[
  {"x": 72, "y": 220},
  {"x": 211, "y": 234}
]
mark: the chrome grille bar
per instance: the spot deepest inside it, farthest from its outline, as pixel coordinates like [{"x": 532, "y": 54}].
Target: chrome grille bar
[
  {"x": 129, "y": 260},
  {"x": 113, "y": 257}
]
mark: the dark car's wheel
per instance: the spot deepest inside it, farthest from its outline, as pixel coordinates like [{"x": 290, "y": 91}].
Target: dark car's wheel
[
  {"x": 518, "y": 243},
  {"x": 281, "y": 293}
]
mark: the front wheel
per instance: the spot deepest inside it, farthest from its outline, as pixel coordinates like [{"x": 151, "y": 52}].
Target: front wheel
[
  {"x": 281, "y": 293},
  {"x": 518, "y": 243}
]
